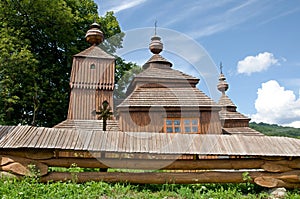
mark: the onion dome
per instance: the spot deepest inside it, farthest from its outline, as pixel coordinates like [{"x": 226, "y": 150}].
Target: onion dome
[
  {"x": 156, "y": 46},
  {"x": 94, "y": 36},
  {"x": 222, "y": 85}
]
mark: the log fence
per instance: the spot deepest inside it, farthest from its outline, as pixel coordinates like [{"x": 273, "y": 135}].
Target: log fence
[{"x": 264, "y": 171}]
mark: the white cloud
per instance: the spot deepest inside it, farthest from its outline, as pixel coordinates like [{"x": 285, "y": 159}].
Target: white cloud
[
  {"x": 118, "y": 6},
  {"x": 258, "y": 63},
  {"x": 276, "y": 105}
]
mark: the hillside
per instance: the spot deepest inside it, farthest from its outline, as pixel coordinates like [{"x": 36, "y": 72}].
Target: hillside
[{"x": 276, "y": 130}]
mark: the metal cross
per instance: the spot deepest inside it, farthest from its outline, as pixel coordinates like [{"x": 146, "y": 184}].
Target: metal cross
[{"x": 221, "y": 67}]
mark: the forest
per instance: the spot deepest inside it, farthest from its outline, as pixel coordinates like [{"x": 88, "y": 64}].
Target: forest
[{"x": 276, "y": 130}]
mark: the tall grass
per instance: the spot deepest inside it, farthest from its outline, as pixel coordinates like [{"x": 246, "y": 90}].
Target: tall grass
[{"x": 30, "y": 187}]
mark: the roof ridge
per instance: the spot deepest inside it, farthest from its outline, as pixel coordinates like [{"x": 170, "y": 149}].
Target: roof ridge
[{"x": 94, "y": 52}]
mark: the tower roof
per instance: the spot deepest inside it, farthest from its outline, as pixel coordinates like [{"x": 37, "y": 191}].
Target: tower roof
[
  {"x": 160, "y": 85},
  {"x": 156, "y": 47},
  {"x": 226, "y": 101},
  {"x": 157, "y": 71},
  {"x": 168, "y": 97},
  {"x": 223, "y": 86},
  {"x": 228, "y": 111},
  {"x": 94, "y": 36},
  {"x": 94, "y": 52},
  {"x": 156, "y": 58}
]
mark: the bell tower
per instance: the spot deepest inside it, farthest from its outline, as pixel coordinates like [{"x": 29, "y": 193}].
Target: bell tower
[{"x": 92, "y": 78}]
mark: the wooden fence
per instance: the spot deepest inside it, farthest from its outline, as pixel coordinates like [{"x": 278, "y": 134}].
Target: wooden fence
[{"x": 264, "y": 171}]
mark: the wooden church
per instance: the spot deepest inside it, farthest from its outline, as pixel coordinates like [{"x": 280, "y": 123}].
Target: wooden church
[
  {"x": 160, "y": 99},
  {"x": 164, "y": 123}
]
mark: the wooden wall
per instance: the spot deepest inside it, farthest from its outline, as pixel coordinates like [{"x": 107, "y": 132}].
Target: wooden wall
[
  {"x": 91, "y": 82},
  {"x": 210, "y": 122},
  {"x": 104, "y": 95},
  {"x": 133, "y": 120},
  {"x": 142, "y": 121},
  {"x": 82, "y": 104},
  {"x": 234, "y": 123}
]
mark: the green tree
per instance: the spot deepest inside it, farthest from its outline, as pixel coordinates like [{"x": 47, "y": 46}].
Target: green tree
[
  {"x": 38, "y": 39},
  {"x": 125, "y": 72},
  {"x": 17, "y": 76}
]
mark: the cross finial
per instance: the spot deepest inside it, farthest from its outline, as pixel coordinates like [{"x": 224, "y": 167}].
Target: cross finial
[
  {"x": 155, "y": 26},
  {"x": 221, "y": 68}
]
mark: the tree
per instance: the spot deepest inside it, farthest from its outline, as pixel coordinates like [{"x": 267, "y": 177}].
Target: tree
[
  {"x": 17, "y": 76},
  {"x": 38, "y": 40},
  {"x": 125, "y": 72}
]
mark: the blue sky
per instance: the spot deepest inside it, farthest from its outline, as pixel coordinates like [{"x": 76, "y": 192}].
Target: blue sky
[{"x": 258, "y": 43}]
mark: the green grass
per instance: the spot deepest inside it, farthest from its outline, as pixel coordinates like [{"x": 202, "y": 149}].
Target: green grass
[{"x": 31, "y": 188}]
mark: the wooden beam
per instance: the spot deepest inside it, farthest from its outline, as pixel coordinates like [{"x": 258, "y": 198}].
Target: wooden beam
[
  {"x": 261, "y": 178},
  {"x": 29, "y": 153},
  {"x": 156, "y": 164},
  {"x": 273, "y": 167},
  {"x": 146, "y": 178},
  {"x": 268, "y": 165}
]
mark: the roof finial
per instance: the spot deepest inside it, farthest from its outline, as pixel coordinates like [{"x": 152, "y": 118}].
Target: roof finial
[
  {"x": 156, "y": 45},
  {"x": 222, "y": 85},
  {"x": 221, "y": 68},
  {"x": 94, "y": 35}
]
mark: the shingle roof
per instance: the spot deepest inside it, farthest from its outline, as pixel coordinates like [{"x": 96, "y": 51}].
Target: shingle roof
[
  {"x": 95, "y": 52},
  {"x": 225, "y": 101},
  {"x": 242, "y": 131},
  {"x": 153, "y": 143},
  {"x": 158, "y": 59},
  {"x": 168, "y": 97},
  {"x": 225, "y": 114},
  {"x": 163, "y": 76},
  {"x": 165, "y": 73},
  {"x": 112, "y": 125}
]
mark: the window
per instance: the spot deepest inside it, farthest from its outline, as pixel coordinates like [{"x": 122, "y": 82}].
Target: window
[
  {"x": 92, "y": 66},
  {"x": 181, "y": 125}
]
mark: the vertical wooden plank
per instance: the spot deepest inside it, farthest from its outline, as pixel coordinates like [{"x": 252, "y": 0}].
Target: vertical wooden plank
[
  {"x": 103, "y": 141},
  {"x": 36, "y": 136},
  {"x": 68, "y": 139},
  {"x": 20, "y": 136},
  {"x": 9, "y": 138},
  {"x": 42, "y": 134},
  {"x": 121, "y": 141},
  {"x": 74, "y": 143},
  {"x": 94, "y": 138},
  {"x": 87, "y": 141},
  {"x": 56, "y": 134},
  {"x": 115, "y": 140},
  {"x": 47, "y": 138}
]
